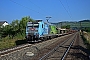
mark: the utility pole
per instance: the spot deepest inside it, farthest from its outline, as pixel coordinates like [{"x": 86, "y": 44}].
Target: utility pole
[
  {"x": 80, "y": 28},
  {"x": 61, "y": 24},
  {"x": 80, "y": 25}
]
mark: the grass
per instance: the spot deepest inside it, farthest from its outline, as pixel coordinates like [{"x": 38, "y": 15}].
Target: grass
[
  {"x": 86, "y": 39},
  {"x": 8, "y": 42}
]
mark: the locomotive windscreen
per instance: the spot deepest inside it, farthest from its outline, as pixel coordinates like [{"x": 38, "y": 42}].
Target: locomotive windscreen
[
  {"x": 30, "y": 24},
  {"x": 35, "y": 25}
]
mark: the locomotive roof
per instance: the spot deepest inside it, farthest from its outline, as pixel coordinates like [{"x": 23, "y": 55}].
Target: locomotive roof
[{"x": 38, "y": 20}]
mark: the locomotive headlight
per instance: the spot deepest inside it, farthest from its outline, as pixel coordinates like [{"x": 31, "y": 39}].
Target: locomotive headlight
[
  {"x": 32, "y": 29},
  {"x": 37, "y": 33}
]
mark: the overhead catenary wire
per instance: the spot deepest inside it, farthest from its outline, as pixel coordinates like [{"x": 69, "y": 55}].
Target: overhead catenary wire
[
  {"x": 69, "y": 9},
  {"x": 37, "y": 6},
  {"x": 27, "y": 7},
  {"x": 65, "y": 9}
]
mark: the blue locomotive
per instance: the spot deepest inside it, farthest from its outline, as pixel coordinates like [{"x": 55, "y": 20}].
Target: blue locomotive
[{"x": 39, "y": 30}]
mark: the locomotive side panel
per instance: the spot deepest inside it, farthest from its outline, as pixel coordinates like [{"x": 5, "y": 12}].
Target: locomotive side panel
[
  {"x": 45, "y": 29},
  {"x": 41, "y": 29}
]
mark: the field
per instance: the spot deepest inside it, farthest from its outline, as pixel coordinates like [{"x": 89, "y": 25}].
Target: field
[{"x": 73, "y": 24}]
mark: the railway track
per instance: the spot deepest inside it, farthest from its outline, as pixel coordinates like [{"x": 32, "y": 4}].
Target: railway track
[
  {"x": 69, "y": 49},
  {"x": 22, "y": 52},
  {"x": 60, "y": 48},
  {"x": 14, "y": 49},
  {"x": 59, "y": 53},
  {"x": 76, "y": 52},
  {"x": 48, "y": 51}
]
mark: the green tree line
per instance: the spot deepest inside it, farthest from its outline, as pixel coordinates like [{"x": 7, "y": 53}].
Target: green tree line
[
  {"x": 15, "y": 28},
  {"x": 86, "y": 29},
  {"x": 66, "y": 26}
]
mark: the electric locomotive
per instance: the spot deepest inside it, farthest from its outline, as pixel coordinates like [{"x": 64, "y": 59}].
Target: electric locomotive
[{"x": 39, "y": 30}]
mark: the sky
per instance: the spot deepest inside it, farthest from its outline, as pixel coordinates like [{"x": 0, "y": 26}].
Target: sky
[{"x": 58, "y": 10}]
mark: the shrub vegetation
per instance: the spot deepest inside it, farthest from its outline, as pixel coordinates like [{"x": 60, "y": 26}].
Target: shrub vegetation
[{"x": 13, "y": 32}]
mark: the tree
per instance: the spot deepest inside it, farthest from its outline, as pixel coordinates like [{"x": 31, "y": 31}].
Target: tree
[
  {"x": 5, "y": 31},
  {"x": 16, "y": 27},
  {"x": 23, "y": 23},
  {"x": 66, "y": 26}
]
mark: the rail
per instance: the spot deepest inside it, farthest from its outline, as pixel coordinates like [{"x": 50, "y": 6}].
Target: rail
[
  {"x": 47, "y": 54},
  {"x": 63, "y": 57},
  {"x": 8, "y": 51}
]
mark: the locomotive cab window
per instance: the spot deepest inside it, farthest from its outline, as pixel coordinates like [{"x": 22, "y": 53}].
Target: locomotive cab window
[
  {"x": 29, "y": 25},
  {"x": 42, "y": 25},
  {"x": 36, "y": 25},
  {"x": 33, "y": 25}
]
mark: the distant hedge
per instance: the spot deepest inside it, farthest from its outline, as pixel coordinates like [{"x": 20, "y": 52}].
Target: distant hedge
[{"x": 86, "y": 29}]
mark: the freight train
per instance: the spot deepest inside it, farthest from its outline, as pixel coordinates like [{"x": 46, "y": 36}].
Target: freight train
[{"x": 39, "y": 30}]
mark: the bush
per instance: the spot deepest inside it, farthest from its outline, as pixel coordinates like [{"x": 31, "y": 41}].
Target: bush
[{"x": 86, "y": 42}]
